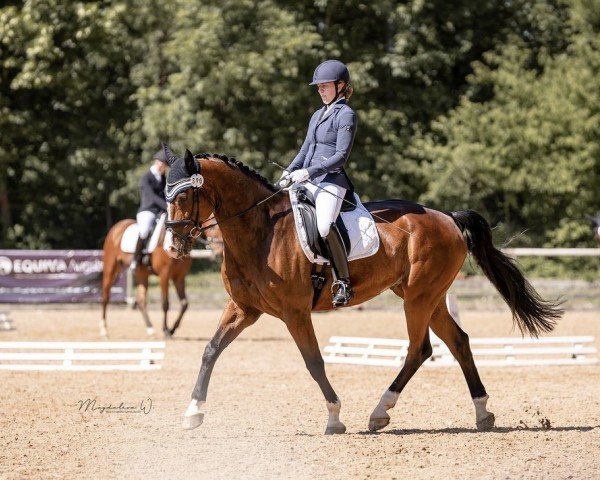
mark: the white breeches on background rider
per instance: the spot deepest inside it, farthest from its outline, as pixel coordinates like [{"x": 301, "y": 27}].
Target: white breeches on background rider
[
  {"x": 328, "y": 203},
  {"x": 145, "y": 221}
]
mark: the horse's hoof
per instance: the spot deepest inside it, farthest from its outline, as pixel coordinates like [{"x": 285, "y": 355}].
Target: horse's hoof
[
  {"x": 378, "y": 423},
  {"x": 167, "y": 333},
  {"x": 192, "y": 421},
  {"x": 486, "y": 424},
  {"x": 103, "y": 332},
  {"x": 333, "y": 429}
]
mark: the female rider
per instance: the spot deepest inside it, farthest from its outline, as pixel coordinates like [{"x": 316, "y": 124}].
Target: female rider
[{"x": 320, "y": 165}]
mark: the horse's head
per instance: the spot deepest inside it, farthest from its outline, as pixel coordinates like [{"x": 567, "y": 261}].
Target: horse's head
[
  {"x": 596, "y": 225},
  {"x": 186, "y": 213}
]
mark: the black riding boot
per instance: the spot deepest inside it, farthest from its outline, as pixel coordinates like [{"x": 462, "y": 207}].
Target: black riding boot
[
  {"x": 137, "y": 256},
  {"x": 339, "y": 264}
]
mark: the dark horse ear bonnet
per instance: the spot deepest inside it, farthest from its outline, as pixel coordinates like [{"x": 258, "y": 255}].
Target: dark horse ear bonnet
[{"x": 183, "y": 174}]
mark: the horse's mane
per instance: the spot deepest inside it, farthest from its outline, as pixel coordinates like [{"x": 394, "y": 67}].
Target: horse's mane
[{"x": 236, "y": 163}]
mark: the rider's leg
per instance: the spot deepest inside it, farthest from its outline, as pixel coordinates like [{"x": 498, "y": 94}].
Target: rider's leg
[
  {"x": 328, "y": 201},
  {"x": 145, "y": 221}
]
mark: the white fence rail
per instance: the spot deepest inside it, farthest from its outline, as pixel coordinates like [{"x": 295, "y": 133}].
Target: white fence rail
[
  {"x": 552, "y": 252},
  {"x": 81, "y": 356},
  {"x": 510, "y": 351},
  {"x": 202, "y": 253}
]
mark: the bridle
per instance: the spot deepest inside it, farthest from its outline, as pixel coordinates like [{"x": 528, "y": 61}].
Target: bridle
[{"x": 196, "y": 224}]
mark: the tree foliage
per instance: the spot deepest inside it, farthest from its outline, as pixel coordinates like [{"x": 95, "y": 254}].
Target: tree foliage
[{"x": 528, "y": 158}]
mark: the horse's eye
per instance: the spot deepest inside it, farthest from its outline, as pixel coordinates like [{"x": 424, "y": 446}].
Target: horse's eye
[{"x": 182, "y": 198}]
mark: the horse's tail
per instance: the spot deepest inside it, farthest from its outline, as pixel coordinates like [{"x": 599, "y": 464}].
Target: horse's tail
[{"x": 530, "y": 312}]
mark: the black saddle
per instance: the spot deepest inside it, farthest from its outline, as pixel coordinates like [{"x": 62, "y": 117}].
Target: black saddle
[{"x": 306, "y": 208}]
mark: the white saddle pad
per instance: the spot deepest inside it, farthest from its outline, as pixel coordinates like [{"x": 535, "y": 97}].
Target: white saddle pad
[
  {"x": 131, "y": 234},
  {"x": 364, "y": 238}
]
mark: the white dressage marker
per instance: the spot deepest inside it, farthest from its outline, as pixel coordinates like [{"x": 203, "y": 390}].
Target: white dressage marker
[
  {"x": 81, "y": 356},
  {"x": 498, "y": 352}
]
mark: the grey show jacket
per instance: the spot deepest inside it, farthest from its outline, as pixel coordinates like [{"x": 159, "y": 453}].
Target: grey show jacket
[{"x": 327, "y": 145}]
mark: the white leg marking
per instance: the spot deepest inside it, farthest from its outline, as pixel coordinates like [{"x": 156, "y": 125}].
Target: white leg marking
[
  {"x": 388, "y": 400},
  {"x": 485, "y": 420},
  {"x": 150, "y": 331},
  {"x": 193, "y": 408},
  {"x": 333, "y": 422},
  {"x": 480, "y": 408},
  {"x": 193, "y": 417}
]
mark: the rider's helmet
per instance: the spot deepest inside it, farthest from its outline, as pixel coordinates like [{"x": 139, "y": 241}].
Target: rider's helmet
[{"x": 330, "y": 71}]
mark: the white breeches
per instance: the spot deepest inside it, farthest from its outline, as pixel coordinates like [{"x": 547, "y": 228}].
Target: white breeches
[
  {"x": 328, "y": 202},
  {"x": 145, "y": 220}
]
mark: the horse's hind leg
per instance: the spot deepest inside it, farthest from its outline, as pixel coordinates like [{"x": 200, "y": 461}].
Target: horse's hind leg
[
  {"x": 110, "y": 271},
  {"x": 444, "y": 326},
  {"x": 302, "y": 331},
  {"x": 418, "y": 314},
  {"x": 180, "y": 287},
  {"x": 233, "y": 321}
]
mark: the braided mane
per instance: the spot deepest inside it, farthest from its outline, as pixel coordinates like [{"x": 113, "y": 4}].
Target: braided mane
[{"x": 236, "y": 163}]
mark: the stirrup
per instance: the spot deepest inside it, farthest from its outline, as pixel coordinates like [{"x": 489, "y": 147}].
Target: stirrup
[{"x": 344, "y": 293}]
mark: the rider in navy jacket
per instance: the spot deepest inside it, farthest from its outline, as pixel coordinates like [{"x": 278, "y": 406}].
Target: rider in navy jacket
[
  {"x": 152, "y": 203},
  {"x": 319, "y": 165}
]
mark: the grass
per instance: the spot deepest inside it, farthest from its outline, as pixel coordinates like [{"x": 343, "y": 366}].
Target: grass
[{"x": 205, "y": 290}]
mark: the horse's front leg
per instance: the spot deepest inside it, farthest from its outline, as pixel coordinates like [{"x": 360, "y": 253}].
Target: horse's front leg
[
  {"x": 301, "y": 328},
  {"x": 233, "y": 321},
  {"x": 164, "y": 292}
]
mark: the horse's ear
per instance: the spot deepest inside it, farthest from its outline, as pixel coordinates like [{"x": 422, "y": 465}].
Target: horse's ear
[
  {"x": 190, "y": 163},
  {"x": 171, "y": 157}
]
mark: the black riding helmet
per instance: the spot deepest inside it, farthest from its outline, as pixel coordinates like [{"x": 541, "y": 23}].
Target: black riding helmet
[{"x": 331, "y": 71}]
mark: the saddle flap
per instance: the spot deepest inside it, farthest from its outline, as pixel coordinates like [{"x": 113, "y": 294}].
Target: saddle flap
[
  {"x": 132, "y": 233},
  {"x": 357, "y": 228}
]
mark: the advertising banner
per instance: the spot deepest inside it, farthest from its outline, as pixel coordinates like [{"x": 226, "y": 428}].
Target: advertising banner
[{"x": 54, "y": 276}]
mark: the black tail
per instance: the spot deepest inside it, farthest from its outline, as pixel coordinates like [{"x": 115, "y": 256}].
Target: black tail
[{"x": 530, "y": 312}]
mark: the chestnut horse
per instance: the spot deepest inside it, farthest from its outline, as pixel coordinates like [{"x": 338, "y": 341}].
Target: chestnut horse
[
  {"x": 163, "y": 265},
  {"x": 265, "y": 271}
]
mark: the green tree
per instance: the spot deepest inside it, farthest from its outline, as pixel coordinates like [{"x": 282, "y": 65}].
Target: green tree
[
  {"x": 64, "y": 95},
  {"x": 528, "y": 158}
]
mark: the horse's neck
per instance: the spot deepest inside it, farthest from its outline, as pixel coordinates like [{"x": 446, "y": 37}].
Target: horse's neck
[{"x": 241, "y": 232}]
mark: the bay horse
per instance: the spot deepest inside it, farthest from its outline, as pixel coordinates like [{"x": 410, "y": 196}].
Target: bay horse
[
  {"x": 163, "y": 265},
  {"x": 264, "y": 270}
]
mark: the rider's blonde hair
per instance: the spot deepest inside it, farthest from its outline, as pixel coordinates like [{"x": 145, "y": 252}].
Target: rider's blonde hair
[{"x": 348, "y": 91}]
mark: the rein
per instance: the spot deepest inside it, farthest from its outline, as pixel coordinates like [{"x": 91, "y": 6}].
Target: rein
[{"x": 197, "y": 227}]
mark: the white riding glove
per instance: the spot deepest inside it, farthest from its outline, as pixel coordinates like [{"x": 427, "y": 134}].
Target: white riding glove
[
  {"x": 299, "y": 176},
  {"x": 284, "y": 180}
]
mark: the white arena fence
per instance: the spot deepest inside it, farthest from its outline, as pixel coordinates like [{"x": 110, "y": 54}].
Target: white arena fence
[
  {"x": 552, "y": 252},
  {"x": 497, "y": 352},
  {"x": 81, "y": 356}
]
